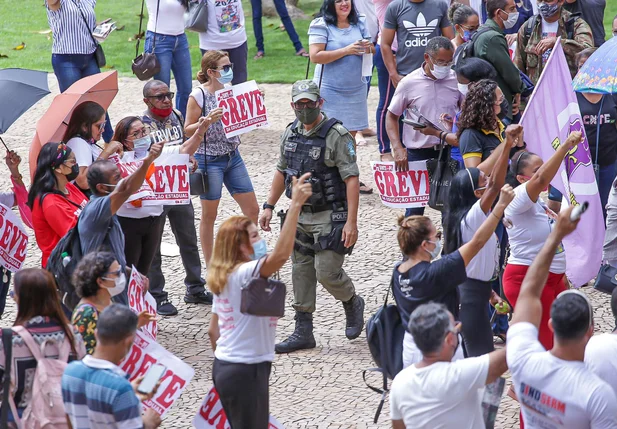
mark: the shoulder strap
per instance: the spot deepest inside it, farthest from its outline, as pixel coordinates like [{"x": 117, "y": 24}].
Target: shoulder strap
[
  {"x": 179, "y": 118},
  {"x": 29, "y": 341},
  {"x": 570, "y": 25},
  {"x": 529, "y": 26},
  {"x": 86, "y": 23},
  {"x": 325, "y": 128},
  {"x": 203, "y": 113},
  {"x": 7, "y": 344},
  {"x": 141, "y": 18}
]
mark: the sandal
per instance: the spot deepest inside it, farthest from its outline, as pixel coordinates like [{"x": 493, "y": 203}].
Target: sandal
[
  {"x": 499, "y": 339},
  {"x": 365, "y": 189},
  {"x": 260, "y": 54},
  {"x": 302, "y": 53}
]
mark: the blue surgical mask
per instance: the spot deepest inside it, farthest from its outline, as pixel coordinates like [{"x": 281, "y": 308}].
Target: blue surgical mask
[
  {"x": 436, "y": 251},
  {"x": 141, "y": 146},
  {"x": 260, "y": 249},
  {"x": 226, "y": 76},
  {"x": 467, "y": 35}
]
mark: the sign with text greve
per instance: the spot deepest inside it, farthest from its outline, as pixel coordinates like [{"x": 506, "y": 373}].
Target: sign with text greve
[
  {"x": 402, "y": 189},
  {"x": 170, "y": 181},
  {"x": 141, "y": 300},
  {"x": 13, "y": 240},
  {"x": 243, "y": 108}
]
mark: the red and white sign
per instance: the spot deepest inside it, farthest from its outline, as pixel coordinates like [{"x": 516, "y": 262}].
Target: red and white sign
[
  {"x": 170, "y": 181},
  {"x": 212, "y": 416},
  {"x": 402, "y": 189},
  {"x": 243, "y": 108},
  {"x": 138, "y": 301},
  {"x": 127, "y": 167},
  {"x": 13, "y": 240},
  {"x": 146, "y": 352}
]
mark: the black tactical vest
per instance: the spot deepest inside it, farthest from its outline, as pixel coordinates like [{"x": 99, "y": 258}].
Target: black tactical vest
[{"x": 306, "y": 154}]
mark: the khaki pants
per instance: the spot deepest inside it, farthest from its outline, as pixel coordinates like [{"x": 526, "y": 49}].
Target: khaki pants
[{"x": 324, "y": 267}]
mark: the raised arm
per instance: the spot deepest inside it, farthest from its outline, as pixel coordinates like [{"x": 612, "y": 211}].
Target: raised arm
[
  {"x": 497, "y": 365},
  {"x": 301, "y": 191},
  {"x": 542, "y": 178},
  {"x": 131, "y": 184},
  {"x": 528, "y": 305},
  {"x": 486, "y": 230}
]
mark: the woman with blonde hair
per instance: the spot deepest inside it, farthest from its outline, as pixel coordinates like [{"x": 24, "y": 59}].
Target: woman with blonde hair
[
  {"x": 218, "y": 156},
  {"x": 244, "y": 344}
]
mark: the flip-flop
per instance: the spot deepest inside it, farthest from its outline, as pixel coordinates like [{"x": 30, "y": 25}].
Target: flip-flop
[
  {"x": 366, "y": 190},
  {"x": 302, "y": 53},
  {"x": 260, "y": 54}
]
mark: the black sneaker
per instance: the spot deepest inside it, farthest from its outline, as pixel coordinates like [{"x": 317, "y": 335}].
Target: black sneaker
[
  {"x": 166, "y": 308},
  {"x": 198, "y": 298}
]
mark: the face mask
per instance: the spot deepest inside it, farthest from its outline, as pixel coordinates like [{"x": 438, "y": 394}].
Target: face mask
[
  {"x": 463, "y": 88},
  {"x": 511, "y": 21},
  {"x": 467, "y": 35},
  {"x": 504, "y": 107},
  {"x": 548, "y": 10},
  {"x": 226, "y": 76},
  {"x": 162, "y": 113},
  {"x": 441, "y": 72},
  {"x": 110, "y": 185},
  {"x": 141, "y": 146},
  {"x": 120, "y": 284},
  {"x": 436, "y": 251},
  {"x": 74, "y": 173},
  {"x": 307, "y": 116},
  {"x": 260, "y": 249}
]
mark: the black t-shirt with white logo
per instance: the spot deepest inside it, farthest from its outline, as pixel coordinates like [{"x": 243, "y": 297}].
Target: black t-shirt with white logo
[{"x": 607, "y": 145}]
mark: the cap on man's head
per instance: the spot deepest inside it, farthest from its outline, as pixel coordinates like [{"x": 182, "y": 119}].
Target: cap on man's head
[{"x": 304, "y": 89}]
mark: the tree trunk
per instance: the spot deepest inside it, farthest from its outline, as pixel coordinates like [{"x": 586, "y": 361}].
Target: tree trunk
[{"x": 269, "y": 10}]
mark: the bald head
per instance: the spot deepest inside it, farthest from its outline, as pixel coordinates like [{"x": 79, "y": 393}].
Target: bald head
[
  {"x": 101, "y": 174},
  {"x": 153, "y": 86}
]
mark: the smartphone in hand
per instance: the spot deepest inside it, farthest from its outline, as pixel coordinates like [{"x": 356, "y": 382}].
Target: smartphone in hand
[{"x": 152, "y": 377}]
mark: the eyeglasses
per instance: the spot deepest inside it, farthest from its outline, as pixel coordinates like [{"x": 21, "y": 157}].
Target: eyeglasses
[
  {"x": 140, "y": 133},
  {"x": 301, "y": 105},
  {"x": 162, "y": 97},
  {"x": 226, "y": 67},
  {"x": 115, "y": 273},
  {"x": 441, "y": 63},
  {"x": 70, "y": 162},
  {"x": 342, "y": 1},
  {"x": 464, "y": 27},
  {"x": 101, "y": 126}
]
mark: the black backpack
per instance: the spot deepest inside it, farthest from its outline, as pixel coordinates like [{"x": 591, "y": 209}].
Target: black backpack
[
  {"x": 466, "y": 50},
  {"x": 531, "y": 24},
  {"x": 384, "y": 334}
]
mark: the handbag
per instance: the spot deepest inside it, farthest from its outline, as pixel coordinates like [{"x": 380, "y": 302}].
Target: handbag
[
  {"x": 146, "y": 65},
  {"x": 7, "y": 344},
  {"x": 198, "y": 180},
  {"x": 196, "y": 17},
  {"x": 263, "y": 297},
  {"x": 441, "y": 171},
  {"x": 99, "y": 55},
  {"x": 606, "y": 280},
  {"x": 385, "y": 333}
]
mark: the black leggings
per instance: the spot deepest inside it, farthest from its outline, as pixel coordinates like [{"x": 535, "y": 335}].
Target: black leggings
[
  {"x": 244, "y": 392},
  {"x": 141, "y": 240},
  {"x": 477, "y": 332}
]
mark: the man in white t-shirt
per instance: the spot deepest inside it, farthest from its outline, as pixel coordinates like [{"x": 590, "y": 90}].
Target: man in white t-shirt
[
  {"x": 436, "y": 392},
  {"x": 601, "y": 352},
  {"x": 555, "y": 388}
]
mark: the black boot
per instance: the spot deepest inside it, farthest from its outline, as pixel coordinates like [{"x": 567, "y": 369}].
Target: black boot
[
  {"x": 302, "y": 337},
  {"x": 354, "y": 315}
]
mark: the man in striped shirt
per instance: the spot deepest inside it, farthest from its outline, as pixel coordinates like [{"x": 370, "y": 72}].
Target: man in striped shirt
[{"x": 96, "y": 392}]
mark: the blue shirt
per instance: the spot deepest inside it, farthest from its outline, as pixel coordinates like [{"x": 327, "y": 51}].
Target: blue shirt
[{"x": 97, "y": 394}]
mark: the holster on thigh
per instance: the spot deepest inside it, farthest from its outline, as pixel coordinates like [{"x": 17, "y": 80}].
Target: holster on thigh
[
  {"x": 304, "y": 243},
  {"x": 333, "y": 241}
]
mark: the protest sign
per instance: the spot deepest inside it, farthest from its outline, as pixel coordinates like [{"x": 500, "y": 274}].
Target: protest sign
[
  {"x": 144, "y": 353},
  {"x": 128, "y": 166},
  {"x": 401, "y": 189},
  {"x": 551, "y": 115},
  {"x": 170, "y": 181},
  {"x": 212, "y": 416},
  {"x": 138, "y": 301},
  {"x": 243, "y": 108},
  {"x": 13, "y": 240}
]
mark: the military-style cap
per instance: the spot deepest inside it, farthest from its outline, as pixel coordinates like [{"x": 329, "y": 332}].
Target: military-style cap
[{"x": 304, "y": 89}]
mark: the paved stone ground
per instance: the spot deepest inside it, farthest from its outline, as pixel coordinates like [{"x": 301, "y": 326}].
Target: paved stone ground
[{"x": 316, "y": 389}]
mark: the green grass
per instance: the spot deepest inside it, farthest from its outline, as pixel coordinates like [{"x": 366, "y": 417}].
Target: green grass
[{"x": 609, "y": 14}]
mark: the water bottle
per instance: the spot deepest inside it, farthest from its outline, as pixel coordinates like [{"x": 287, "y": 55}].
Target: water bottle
[{"x": 65, "y": 259}]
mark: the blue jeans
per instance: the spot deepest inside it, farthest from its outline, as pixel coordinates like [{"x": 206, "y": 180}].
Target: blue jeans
[
  {"x": 69, "y": 68},
  {"x": 228, "y": 170},
  {"x": 419, "y": 155},
  {"x": 174, "y": 56},
  {"x": 238, "y": 56},
  {"x": 386, "y": 91},
  {"x": 281, "y": 9}
]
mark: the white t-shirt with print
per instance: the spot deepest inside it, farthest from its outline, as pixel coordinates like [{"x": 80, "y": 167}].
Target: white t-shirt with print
[
  {"x": 549, "y": 29},
  {"x": 601, "y": 358},
  {"x": 556, "y": 393},
  {"x": 531, "y": 227},
  {"x": 443, "y": 395},
  {"x": 170, "y": 18},
  {"x": 244, "y": 338},
  {"x": 85, "y": 153},
  {"x": 226, "y": 28},
  {"x": 484, "y": 265}
]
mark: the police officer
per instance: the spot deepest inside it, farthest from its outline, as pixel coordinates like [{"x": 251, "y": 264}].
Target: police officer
[{"x": 327, "y": 227}]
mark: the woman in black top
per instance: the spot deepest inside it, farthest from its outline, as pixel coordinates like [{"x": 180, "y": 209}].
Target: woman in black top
[
  {"x": 599, "y": 113},
  {"x": 417, "y": 280}
]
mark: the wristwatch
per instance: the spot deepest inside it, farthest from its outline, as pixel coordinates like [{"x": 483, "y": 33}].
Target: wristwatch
[{"x": 268, "y": 206}]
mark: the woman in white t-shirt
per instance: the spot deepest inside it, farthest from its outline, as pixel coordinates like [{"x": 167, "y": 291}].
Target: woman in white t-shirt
[
  {"x": 470, "y": 200},
  {"x": 244, "y": 344},
  {"x": 143, "y": 225},
  {"x": 84, "y": 130},
  {"x": 166, "y": 38},
  {"x": 226, "y": 32},
  {"x": 530, "y": 222}
]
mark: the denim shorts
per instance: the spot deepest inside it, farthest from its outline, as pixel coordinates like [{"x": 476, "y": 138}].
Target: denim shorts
[{"x": 227, "y": 169}]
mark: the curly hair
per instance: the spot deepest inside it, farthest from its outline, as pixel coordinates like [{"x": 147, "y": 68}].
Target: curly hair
[
  {"x": 477, "y": 111},
  {"x": 92, "y": 266}
]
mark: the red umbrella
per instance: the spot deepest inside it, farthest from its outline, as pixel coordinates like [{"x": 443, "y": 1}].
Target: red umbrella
[{"x": 100, "y": 88}]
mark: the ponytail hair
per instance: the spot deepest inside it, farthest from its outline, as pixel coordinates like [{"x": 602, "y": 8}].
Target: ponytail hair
[{"x": 413, "y": 230}]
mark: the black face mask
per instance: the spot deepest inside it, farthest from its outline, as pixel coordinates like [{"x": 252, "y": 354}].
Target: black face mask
[
  {"x": 504, "y": 106},
  {"x": 74, "y": 173}
]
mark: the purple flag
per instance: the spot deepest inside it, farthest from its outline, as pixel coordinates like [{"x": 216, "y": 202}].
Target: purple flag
[{"x": 551, "y": 115}]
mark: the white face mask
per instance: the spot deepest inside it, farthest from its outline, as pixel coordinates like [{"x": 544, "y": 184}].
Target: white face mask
[
  {"x": 463, "y": 88},
  {"x": 441, "y": 72},
  {"x": 120, "y": 284},
  {"x": 511, "y": 21},
  {"x": 436, "y": 251}
]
